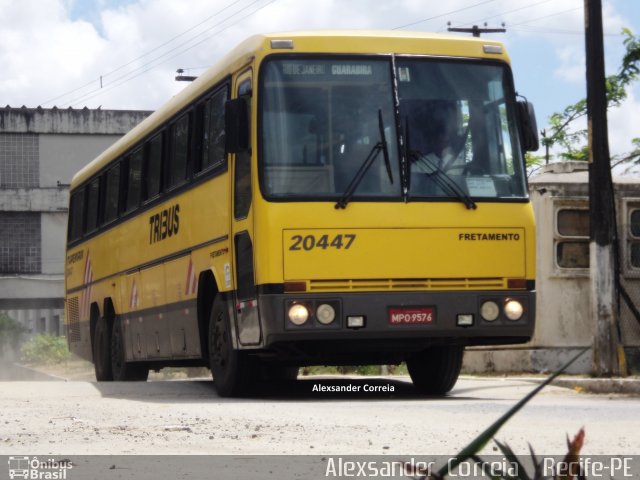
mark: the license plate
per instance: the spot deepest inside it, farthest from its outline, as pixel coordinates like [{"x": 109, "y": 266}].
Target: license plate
[{"x": 412, "y": 316}]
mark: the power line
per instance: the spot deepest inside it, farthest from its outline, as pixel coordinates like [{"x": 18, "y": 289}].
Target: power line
[
  {"x": 533, "y": 29},
  {"x": 149, "y": 52},
  {"x": 443, "y": 14},
  {"x": 546, "y": 16},
  {"x": 131, "y": 75},
  {"x": 152, "y": 63},
  {"x": 502, "y": 14}
]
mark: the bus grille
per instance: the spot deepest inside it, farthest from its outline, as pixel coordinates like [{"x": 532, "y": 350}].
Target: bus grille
[
  {"x": 73, "y": 331},
  {"x": 408, "y": 284}
]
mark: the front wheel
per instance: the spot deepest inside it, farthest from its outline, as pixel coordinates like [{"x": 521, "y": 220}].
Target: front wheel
[
  {"x": 229, "y": 366},
  {"x": 435, "y": 370}
]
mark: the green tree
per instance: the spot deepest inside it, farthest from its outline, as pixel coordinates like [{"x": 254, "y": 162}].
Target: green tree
[
  {"x": 11, "y": 333},
  {"x": 572, "y": 141}
]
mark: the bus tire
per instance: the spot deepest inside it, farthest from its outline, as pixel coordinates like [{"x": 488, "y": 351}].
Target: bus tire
[
  {"x": 434, "y": 371},
  {"x": 124, "y": 371},
  {"x": 229, "y": 367},
  {"x": 102, "y": 351}
]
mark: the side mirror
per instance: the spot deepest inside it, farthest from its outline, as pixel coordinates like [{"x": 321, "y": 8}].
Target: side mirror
[
  {"x": 528, "y": 126},
  {"x": 236, "y": 125}
]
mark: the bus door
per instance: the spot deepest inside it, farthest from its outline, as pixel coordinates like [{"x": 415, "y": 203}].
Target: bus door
[{"x": 245, "y": 297}]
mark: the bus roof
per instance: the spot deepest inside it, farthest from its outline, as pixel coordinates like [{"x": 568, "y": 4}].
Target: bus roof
[{"x": 325, "y": 41}]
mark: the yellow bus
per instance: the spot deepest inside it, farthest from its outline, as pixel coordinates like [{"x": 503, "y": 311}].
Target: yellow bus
[{"x": 315, "y": 198}]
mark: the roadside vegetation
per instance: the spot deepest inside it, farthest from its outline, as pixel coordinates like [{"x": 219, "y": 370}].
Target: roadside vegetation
[
  {"x": 45, "y": 349},
  {"x": 567, "y": 129},
  {"x": 11, "y": 335}
]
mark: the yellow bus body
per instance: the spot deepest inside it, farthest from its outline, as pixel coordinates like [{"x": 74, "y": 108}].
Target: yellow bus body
[{"x": 137, "y": 270}]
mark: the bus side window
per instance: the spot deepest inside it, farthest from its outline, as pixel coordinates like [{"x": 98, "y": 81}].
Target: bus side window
[
  {"x": 213, "y": 133},
  {"x": 93, "y": 206},
  {"x": 76, "y": 215},
  {"x": 153, "y": 166},
  {"x": 112, "y": 193},
  {"x": 179, "y": 141},
  {"x": 242, "y": 178},
  {"x": 134, "y": 180}
]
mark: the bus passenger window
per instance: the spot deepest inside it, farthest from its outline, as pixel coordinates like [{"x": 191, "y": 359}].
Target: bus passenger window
[
  {"x": 76, "y": 215},
  {"x": 213, "y": 132},
  {"x": 112, "y": 194},
  {"x": 134, "y": 183},
  {"x": 93, "y": 204},
  {"x": 153, "y": 167},
  {"x": 179, "y": 151},
  {"x": 242, "y": 177}
]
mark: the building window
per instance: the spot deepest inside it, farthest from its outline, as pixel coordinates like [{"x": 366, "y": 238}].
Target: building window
[
  {"x": 20, "y": 242},
  {"x": 634, "y": 237},
  {"x": 572, "y": 240},
  {"x": 19, "y": 160}
]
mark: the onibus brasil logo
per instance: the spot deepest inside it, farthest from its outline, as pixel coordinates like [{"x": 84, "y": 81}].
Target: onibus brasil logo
[{"x": 32, "y": 468}]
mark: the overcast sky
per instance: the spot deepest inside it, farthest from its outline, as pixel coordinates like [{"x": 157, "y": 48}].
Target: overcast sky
[{"x": 54, "y": 52}]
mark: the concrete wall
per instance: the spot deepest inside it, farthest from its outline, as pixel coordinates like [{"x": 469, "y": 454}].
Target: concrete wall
[
  {"x": 61, "y": 142},
  {"x": 61, "y": 156},
  {"x": 69, "y": 121},
  {"x": 563, "y": 306},
  {"x": 53, "y": 242},
  {"x": 564, "y": 323}
]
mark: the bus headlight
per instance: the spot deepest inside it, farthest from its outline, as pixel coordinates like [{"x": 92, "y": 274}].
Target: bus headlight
[
  {"x": 298, "y": 314},
  {"x": 489, "y": 311},
  {"x": 325, "y": 314},
  {"x": 513, "y": 309}
]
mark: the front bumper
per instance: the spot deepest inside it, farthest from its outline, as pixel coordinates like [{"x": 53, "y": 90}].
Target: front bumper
[{"x": 380, "y": 334}]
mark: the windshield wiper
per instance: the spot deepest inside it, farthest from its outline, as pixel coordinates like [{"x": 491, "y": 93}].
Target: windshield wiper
[
  {"x": 443, "y": 180},
  {"x": 381, "y": 146},
  {"x": 439, "y": 176}
]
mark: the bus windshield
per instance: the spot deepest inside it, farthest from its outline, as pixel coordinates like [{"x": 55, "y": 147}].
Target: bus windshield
[{"x": 319, "y": 121}]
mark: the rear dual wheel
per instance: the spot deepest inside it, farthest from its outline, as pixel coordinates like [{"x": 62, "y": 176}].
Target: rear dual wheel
[
  {"x": 109, "y": 358},
  {"x": 124, "y": 371}
]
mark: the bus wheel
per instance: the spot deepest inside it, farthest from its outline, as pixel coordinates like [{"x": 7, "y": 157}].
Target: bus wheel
[
  {"x": 228, "y": 366},
  {"x": 435, "y": 370},
  {"x": 102, "y": 351},
  {"x": 124, "y": 371}
]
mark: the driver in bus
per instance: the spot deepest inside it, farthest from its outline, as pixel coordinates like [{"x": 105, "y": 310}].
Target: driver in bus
[{"x": 432, "y": 138}]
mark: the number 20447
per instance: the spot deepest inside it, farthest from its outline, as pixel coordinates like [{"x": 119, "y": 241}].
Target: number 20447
[{"x": 310, "y": 242}]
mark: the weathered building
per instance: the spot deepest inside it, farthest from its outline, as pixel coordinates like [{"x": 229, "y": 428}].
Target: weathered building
[
  {"x": 40, "y": 150},
  {"x": 564, "y": 324}
]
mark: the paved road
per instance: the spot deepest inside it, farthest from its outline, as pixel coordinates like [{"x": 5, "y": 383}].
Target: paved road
[{"x": 187, "y": 417}]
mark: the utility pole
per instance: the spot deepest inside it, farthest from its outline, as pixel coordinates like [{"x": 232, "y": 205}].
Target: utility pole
[
  {"x": 475, "y": 30},
  {"x": 183, "y": 78},
  {"x": 603, "y": 236}
]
